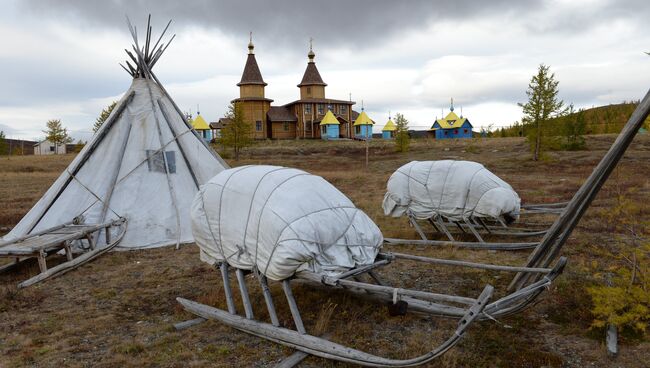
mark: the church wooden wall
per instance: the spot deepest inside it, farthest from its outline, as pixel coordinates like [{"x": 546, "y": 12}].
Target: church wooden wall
[
  {"x": 278, "y": 132},
  {"x": 256, "y": 111}
]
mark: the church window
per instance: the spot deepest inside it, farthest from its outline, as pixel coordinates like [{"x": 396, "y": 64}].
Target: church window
[
  {"x": 321, "y": 109},
  {"x": 455, "y": 131},
  {"x": 258, "y": 125},
  {"x": 343, "y": 109},
  {"x": 323, "y": 129},
  {"x": 464, "y": 130},
  {"x": 307, "y": 109},
  {"x": 286, "y": 126},
  {"x": 309, "y": 90},
  {"x": 357, "y": 130}
]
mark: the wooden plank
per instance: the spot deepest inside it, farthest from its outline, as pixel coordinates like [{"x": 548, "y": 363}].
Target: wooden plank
[
  {"x": 292, "y": 360},
  {"x": 387, "y": 290},
  {"x": 71, "y": 230},
  {"x": 612, "y": 341},
  {"x": 417, "y": 227},
  {"x": 91, "y": 241},
  {"x": 226, "y": 288},
  {"x": 270, "y": 306},
  {"x": 243, "y": 289},
  {"x": 17, "y": 240},
  {"x": 42, "y": 265},
  {"x": 293, "y": 307},
  {"x": 363, "y": 269},
  {"x": 443, "y": 227},
  {"x": 68, "y": 251},
  {"x": 189, "y": 323},
  {"x": 45, "y": 241},
  {"x": 8, "y": 251},
  {"x": 611, "y": 334},
  {"x": 474, "y": 232}
]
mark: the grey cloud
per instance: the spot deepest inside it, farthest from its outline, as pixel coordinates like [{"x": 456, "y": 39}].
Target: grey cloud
[
  {"x": 285, "y": 22},
  {"x": 59, "y": 84}
]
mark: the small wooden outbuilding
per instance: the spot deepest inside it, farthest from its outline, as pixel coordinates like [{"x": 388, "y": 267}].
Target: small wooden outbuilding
[
  {"x": 363, "y": 126},
  {"x": 46, "y": 147},
  {"x": 201, "y": 126},
  {"x": 388, "y": 132},
  {"x": 329, "y": 126}
]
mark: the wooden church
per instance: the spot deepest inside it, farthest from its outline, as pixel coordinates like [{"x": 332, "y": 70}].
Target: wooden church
[
  {"x": 302, "y": 118},
  {"x": 451, "y": 126}
]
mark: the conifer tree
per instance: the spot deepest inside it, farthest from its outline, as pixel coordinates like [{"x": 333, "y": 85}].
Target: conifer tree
[
  {"x": 402, "y": 139},
  {"x": 237, "y": 133},
  {"x": 543, "y": 105},
  {"x": 103, "y": 116},
  {"x": 3, "y": 144}
]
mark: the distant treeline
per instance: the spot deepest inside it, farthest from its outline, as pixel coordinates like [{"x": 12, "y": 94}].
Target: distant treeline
[{"x": 598, "y": 120}]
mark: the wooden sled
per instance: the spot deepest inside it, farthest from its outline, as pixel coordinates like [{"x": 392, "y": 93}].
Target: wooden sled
[
  {"x": 472, "y": 226},
  {"x": 300, "y": 340},
  {"x": 61, "y": 238}
]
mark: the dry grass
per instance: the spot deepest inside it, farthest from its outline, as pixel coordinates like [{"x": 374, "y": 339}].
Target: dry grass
[{"x": 118, "y": 310}]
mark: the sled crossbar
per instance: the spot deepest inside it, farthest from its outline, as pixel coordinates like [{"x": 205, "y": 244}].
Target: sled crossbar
[{"x": 468, "y": 245}]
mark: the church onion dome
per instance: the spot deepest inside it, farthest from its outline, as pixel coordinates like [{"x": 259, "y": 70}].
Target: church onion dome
[
  {"x": 329, "y": 119},
  {"x": 363, "y": 119},
  {"x": 252, "y": 74},
  {"x": 389, "y": 127},
  {"x": 312, "y": 76}
]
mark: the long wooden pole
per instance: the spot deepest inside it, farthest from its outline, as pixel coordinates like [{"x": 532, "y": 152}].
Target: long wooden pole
[
  {"x": 483, "y": 266},
  {"x": 566, "y": 222}
]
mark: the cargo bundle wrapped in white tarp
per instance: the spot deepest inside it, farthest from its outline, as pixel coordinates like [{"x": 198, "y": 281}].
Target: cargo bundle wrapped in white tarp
[
  {"x": 456, "y": 190},
  {"x": 281, "y": 221}
]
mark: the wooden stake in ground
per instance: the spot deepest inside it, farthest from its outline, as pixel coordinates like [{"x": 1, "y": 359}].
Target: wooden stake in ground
[{"x": 367, "y": 152}]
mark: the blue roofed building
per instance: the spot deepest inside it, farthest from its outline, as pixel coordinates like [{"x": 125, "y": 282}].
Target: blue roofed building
[{"x": 452, "y": 126}]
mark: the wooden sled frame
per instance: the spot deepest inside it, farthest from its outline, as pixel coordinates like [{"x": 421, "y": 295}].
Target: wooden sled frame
[
  {"x": 52, "y": 240},
  {"x": 474, "y": 226},
  {"x": 300, "y": 340}
]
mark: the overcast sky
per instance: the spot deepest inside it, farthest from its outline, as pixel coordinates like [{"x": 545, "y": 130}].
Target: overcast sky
[{"x": 59, "y": 58}]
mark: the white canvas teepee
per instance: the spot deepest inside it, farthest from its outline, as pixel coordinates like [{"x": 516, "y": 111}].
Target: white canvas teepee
[{"x": 145, "y": 164}]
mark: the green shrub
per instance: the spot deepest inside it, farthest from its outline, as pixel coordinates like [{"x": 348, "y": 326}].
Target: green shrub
[{"x": 625, "y": 302}]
